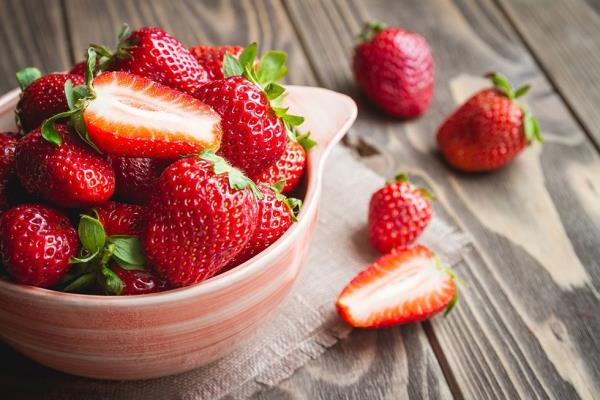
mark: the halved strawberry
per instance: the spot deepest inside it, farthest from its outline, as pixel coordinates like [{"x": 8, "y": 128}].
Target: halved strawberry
[
  {"x": 136, "y": 117},
  {"x": 407, "y": 285}
]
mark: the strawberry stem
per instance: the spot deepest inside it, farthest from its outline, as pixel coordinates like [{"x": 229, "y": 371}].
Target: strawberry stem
[
  {"x": 237, "y": 179},
  {"x": 371, "y": 29}
]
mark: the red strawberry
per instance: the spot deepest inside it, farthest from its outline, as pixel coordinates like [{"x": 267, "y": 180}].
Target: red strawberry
[
  {"x": 202, "y": 214},
  {"x": 41, "y": 97},
  {"x": 36, "y": 243},
  {"x": 78, "y": 69},
  {"x": 395, "y": 69},
  {"x": 254, "y": 130},
  {"x": 290, "y": 166},
  {"x": 135, "y": 117},
  {"x": 398, "y": 213},
  {"x": 211, "y": 58},
  {"x": 408, "y": 285},
  {"x": 121, "y": 218},
  {"x": 68, "y": 175},
  {"x": 136, "y": 177},
  {"x": 8, "y": 144},
  {"x": 154, "y": 54},
  {"x": 139, "y": 282},
  {"x": 275, "y": 216},
  {"x": 489, "y": 130}
]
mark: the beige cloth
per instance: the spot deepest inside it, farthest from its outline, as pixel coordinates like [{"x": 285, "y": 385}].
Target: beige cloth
[{"x": 305, "y": 324}]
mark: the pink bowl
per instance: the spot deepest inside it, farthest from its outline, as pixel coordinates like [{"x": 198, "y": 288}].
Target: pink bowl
[{"x": 161, "y": 334}]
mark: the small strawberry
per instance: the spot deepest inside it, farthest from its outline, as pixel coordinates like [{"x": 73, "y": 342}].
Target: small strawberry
[
  {"x": 36, "y": 243},
  {"x": 291, "y": 164},
  {"x": 137, "y": 282},
  {"x": 407, "y": 285},
  {"x": 41, "y": 96},
  {"x": 489, "y": 130},
  {"x": 68, "y": 175},
  {"x": 121, "y": 218},
  {"x": 211, "y": 58},
  {"x": 398, "y": 213},
  {"x": 8, "y": 143},
  {"x": 127, "y": 115},
  {"x": 276, "y": 214},
  {"x": 254, "y": 127},
  {"x": 156, "y": 55},
  {"x": 395, "y": 69},
  {"x": 136, "y": 177},
  {"x": 79, "y": 69},
  {"x": 201, "y": 216}
]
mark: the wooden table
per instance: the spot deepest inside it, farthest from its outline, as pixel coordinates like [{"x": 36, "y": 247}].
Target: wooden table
[{"x": 528, "y": 325}]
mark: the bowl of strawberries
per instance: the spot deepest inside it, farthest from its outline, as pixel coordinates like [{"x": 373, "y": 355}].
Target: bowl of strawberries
[{"x": 157, "y": 203}]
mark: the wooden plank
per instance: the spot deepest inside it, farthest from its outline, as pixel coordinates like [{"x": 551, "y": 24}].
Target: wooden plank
[
  {"x": 395, "y": 363},
  {"x": 565, "y": 39},
  {"x": 527, "y": 326},
  {"x": 32, "y": 33}
]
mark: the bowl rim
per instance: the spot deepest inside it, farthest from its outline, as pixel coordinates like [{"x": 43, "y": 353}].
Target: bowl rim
[{"x": 316, "y": 160}]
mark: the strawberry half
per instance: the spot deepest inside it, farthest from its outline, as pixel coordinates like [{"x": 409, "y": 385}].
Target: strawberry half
[{"x": 407, "y": 285}]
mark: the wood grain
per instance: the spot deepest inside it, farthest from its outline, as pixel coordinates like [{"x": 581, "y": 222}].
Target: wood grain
[
  {"x": 525, "y": 328},
  {"x": 565, "y": 39}
]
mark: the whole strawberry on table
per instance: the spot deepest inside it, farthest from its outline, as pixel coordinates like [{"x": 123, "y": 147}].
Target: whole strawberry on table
[{"x": 118, "y": 162}]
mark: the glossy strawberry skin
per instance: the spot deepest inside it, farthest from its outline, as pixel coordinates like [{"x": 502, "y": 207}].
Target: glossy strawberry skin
[
  {"x": 8, "y": 143},
  {"x": 156, "y": 55},
  {"x": 79, "y": 69},
  {"x": 196, "y": 223},
  {"x": 396, "y": 71},
  {"x": 274, "y": 219},
  {"x": 253, "y": 137},
  {"x": 44, "y": 98},
  {"x": 69, "y": 175},
  {"x": 211, "y": 58},
  {"x": 139, "y": 282},
  {"x": 398, "y": 213},
  {"x": 121, "y": 218},
  {"x": 289, "y": 167},
  {"x": 36, "y": 243},
  {"x": 136, "y": 177},
  {"x": 483, "y": 134}
]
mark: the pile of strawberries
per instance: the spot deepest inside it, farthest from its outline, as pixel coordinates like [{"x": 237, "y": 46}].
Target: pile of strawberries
[{"x": 148, "y": 167}]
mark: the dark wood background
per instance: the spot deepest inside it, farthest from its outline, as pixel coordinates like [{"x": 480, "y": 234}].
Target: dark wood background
[{"x": 528, "y": 325}]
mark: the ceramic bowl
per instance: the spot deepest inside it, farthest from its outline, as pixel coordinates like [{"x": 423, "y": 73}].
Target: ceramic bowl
[{"x": 147, "y": 336}]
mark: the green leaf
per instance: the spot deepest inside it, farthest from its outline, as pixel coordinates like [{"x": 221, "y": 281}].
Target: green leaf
[
  {"x": 280, "y": 111},
  {"x": 248, "y": 55},
  {"x": 371, "y": 29},
  {"x": 80, "y": 128},
  {"x": 521, "y": 91},
  {"x": 231, "y": 66},
  {"x": 237, "y": 180},
  {"x": 82, "y": 259},
  {"x": 294, "y": 206},
  {"x": 90, "y": 67},
  {"x": 129, "y": 250},
  {"x": 129, "y": 267},
  {"x": 279, "y": 185},
  {"x": 82, "y": 282},
  {"x": 501, "y": 83},
  {"x": 274, "y": 90},
  {"x": 401, "y": 177},
  {"x": 271, "y": 67},
  {"x": 306, "y": 141},
  {"x": 293, "y": 120},
  {"x": 452, "y": 304},
  {"x": 124, "y": 34},
  {"x": 49, "y": 133},
  {"x": 26, "y": 76},
  {"x": 531, "y": 128},
  {"x": 91, "y": 234},
  {"x": 110, "y": 281},
  {"x": 69, "y": 94}
]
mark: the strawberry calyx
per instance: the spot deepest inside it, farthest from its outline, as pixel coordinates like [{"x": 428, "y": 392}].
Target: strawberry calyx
[
  {"x": 303, "y": 139},
  {"x": 108, "y": 57},
  {"x": 97, "y": 251},
  {"x": 403, "y": 177},
  {"x": 531, "y": 126},
  {"x": 293, "y": 204},
  {"x": 270, "y": 68},
  {"x": 237, "y": 179},
  {"x": 371, "y": 29},
  {"x": 26, "y": 76}
]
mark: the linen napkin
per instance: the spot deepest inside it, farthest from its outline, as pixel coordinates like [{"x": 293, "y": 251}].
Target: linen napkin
[{"x": 305, "y": 324}]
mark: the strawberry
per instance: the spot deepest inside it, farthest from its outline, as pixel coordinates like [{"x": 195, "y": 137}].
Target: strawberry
[
  {"x": 78, "y": 69},
  {"x": 291, "y": 164},
  {"x": 211, "y": 58},
  {"x": 67, "y": 175},
  {"x": 254, "y": 127},
  {"x": 398, "y": 213},
  {"x": 395, "y": 69},
  {"x": 136, "y": 177},
  {"x": 276, "y": 213},
  {"x": 41, "y": 96},
  {"x": 201, "y": 216},
  {"x": 121, "y": 218},
  {"x": 407, "y": 285},
  {"x": 139, "y": 282},
  {"x": 127, "y": 115},
  {"x": 489, "y": 130},
  {"x": 8, "y": 143},
  {"x": 154, "y": 54},
  {"x": 36, "y": 243}
]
